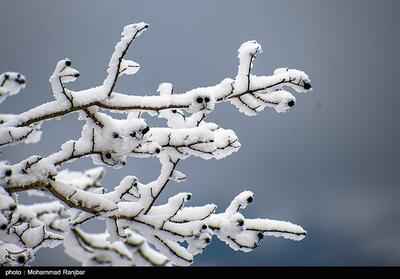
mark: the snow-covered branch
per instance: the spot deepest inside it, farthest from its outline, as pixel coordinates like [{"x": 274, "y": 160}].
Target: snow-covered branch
[{"x": 140, "y": 229}]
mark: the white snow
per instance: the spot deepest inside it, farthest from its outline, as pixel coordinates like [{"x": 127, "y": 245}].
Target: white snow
[
  {"x": 141, "y": 226},
  {"x": 11, "y": 83}
]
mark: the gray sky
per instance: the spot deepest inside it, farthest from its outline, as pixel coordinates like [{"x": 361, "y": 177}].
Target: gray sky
[{"x": 330, "y": 164}]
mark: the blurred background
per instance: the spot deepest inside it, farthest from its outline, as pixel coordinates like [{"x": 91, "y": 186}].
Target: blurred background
[{"x": 330, "y": 164}]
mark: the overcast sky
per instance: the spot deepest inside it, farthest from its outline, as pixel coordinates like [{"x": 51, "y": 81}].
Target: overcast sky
[{"x": 331, "y": 164}]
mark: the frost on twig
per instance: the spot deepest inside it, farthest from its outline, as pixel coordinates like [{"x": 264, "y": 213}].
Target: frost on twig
[
  {"x": 139, "y": 229},
  {"x": 10, "y": 84}
]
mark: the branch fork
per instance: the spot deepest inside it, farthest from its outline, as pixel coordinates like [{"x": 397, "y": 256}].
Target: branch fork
[{"x": 140, "y": 228}]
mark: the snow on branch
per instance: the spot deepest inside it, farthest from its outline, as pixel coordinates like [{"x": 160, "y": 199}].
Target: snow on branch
[
  {"x": 140, "y": 229},
  {"x": 10, "y": 84}
]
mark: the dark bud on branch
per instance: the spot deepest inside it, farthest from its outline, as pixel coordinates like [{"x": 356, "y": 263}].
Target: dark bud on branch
[
  {"x": 21, "y": 259},
  {"x": 307, "y": 85},
  {"x": 145, "y": 130}
]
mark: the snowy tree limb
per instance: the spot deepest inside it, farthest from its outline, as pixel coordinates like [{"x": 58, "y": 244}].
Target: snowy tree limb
[
  {"x": 265, "y": 89},
  {"x": 140, "y": 229}
]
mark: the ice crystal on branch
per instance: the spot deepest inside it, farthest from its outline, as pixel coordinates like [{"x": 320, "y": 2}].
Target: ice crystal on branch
[{"x": 139, "y": 230}]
